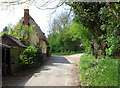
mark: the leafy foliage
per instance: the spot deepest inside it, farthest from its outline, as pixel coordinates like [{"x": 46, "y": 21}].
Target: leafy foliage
[
  {"x": 102, "y": 21},
  {"x": 20, "y": 32},
  {"x": 79, "y": 31},
  {"x": 64, "y": 37},
  {"x": 111, "y": 27},
  {"x": 98, "y": 72},
  {"x": 31, "y": 57},
  {"x": 48, "y": 51}
]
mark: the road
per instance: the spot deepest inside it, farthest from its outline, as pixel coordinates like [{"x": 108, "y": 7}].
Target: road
[{"x": 57, "y": 71}]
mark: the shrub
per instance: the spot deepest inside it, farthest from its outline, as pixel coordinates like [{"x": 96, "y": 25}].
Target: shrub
[
  {"x": 98, "y": 72},
  {"x": 31, "y": 57},
  {"x": 48, "y": 51}
]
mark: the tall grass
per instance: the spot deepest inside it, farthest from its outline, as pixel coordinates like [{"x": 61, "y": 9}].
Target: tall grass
[{"x": 98, "y": 72}]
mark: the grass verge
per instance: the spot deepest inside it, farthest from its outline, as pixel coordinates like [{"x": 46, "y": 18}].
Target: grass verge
[
  {"x": 66, "y": 53},
  {"x": 98, "y": 72}
]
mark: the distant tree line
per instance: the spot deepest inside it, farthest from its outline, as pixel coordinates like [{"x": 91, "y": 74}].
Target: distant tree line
[{"x": 63, "y": 35}]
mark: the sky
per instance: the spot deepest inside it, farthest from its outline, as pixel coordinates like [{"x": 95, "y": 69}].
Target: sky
[{"x": 41, "y": 17}]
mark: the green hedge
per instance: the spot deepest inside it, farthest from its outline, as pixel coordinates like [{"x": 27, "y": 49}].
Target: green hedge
[
  {"x": 98, "y": 72},
  {"x": 67, "y": 53},
  {"x": 32, "y": 57}
]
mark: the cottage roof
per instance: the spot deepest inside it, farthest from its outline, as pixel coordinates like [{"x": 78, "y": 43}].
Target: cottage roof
[
  {"x": 11, "y": 41},
  {"x": 40, "y": 34}
]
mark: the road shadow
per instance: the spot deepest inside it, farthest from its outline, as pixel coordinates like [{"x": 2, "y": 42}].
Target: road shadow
[
  {"x": 18, "y": 77},
  {"x": 19, "y": 80},
  {"x": 53, "y": 61},
  {"x": 58, "y": 59}
]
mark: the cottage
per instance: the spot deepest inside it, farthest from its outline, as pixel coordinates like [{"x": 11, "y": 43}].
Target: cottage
[
  {"x": 11, "y": 48},
  {"x": 38, "y": 37}
]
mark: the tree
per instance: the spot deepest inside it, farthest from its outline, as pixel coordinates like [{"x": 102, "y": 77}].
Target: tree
[
  {"x": 102, "y": 21},
  {"x": 62, "y": 37},
  {"x": 60, "y": 22},
  {"x": 20, "y": 32}
]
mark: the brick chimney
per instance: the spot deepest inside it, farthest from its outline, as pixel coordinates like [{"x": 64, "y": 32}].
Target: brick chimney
[{"x": 26, "y": 16}]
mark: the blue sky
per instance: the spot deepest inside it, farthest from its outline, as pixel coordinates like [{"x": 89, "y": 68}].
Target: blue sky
[{"x": 42, "y": 17}]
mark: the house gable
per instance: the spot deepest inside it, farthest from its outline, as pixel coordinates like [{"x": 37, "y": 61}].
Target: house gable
[
  {"x": 37, "y": 37},
  {"x": 37, "y": 29}
]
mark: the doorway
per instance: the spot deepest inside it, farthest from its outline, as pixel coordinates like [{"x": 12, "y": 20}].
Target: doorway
[{"x": 6, "y": 61}]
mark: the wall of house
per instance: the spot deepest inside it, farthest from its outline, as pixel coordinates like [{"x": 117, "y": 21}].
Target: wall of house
[
  {"x": 33, "y": 35},
  {"x": 14, "y": 59},
  {"x": 43, "y": 46},
  {"x": 36, "y": 37},
  {"x": 33, "y": 38}
]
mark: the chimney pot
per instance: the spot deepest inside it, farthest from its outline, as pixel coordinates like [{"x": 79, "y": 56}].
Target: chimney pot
[{"x": 26, "y": 16}]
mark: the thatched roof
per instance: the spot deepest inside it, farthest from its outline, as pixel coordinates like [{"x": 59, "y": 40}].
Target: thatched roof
[
  {"x": 39, "y": 32},
  {"x": 10, "y": 41}
]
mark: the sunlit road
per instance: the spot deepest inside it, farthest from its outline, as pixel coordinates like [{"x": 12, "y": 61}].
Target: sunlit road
[{"x": 56, "y": 72}]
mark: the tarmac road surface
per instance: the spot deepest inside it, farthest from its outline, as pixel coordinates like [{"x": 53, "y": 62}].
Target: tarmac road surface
[{"x": 58, "y": 71}]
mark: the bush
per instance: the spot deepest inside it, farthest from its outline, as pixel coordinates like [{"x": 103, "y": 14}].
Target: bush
[
  {"x": 48, "y": 51},
  {"x": 98, "y": 72},
  {"x": 31, "y": 57}
]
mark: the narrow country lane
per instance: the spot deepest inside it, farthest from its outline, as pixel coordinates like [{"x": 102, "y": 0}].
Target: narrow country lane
[{"x": 57, "y": 71}]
